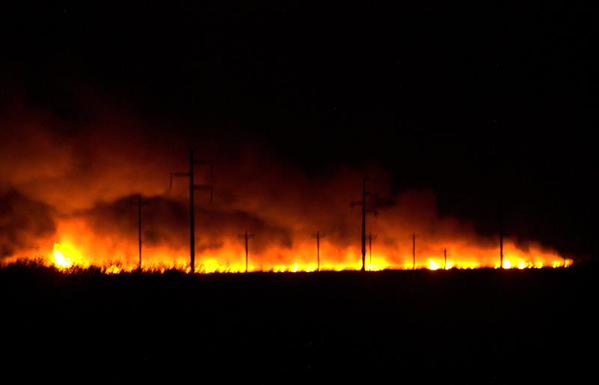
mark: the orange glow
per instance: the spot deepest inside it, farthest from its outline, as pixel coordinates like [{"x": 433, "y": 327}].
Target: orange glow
[
  {"x": 433, "y": 265},
  {"x": 78, "y": 246},
  {"x": 60, "y": 260},
  {"x": 73, "y": 203},
  {"x": 66, "y": 255},
  {"x": 76, "y": 243},
  {"x": 81, "y": 218}
]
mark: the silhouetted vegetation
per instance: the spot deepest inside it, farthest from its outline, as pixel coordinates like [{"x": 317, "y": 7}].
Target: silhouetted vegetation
[{"x": 478, "y": 327}]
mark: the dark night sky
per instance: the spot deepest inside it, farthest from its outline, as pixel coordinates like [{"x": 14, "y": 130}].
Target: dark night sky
[{"x": 473, "y": 101}]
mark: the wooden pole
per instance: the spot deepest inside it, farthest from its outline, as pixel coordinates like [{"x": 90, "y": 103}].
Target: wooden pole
[
  {"x": 413, "y": 251},
  {"x": 139, "y": 204},
  {"x": 444, "y": 259},
  {"x": 192, "y": 225}
]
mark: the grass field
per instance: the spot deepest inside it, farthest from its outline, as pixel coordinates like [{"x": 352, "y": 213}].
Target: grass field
[{"x": 466, "y": 327}]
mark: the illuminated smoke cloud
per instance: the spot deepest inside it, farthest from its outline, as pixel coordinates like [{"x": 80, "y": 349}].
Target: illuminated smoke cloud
[
  {"x": 166, "y": 221},
  {"x": 77, "y": 182},
  {"x": 22, "y": 223}
]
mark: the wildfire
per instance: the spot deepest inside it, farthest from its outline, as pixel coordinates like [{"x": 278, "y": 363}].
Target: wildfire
[
  {"x": 77, "y": 244},
  {"x": 101, "y": 209},
  {"x": 60, "y": 260},
  {"x": 433, "y": 265},
  {"x": 66, "y": 255}
]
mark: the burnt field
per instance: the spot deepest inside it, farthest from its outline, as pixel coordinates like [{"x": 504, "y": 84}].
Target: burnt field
[{"x": 478, "y": 327}]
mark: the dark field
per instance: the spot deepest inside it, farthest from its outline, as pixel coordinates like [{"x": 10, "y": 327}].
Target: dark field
[{"x": 466, "y": 327}]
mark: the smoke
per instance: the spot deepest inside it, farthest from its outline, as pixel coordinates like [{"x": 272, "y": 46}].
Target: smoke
[
  {"x": 23, "y": 222},
  {"x": 166, "y": 221},
  {"x": 78, "y": 180}
]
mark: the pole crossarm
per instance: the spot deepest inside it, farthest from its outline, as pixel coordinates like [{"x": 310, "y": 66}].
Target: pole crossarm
[
  {"x": 248, "y": 235},
  {"x": 364, "y": 203},
  {"x": 193, "y": 187}
]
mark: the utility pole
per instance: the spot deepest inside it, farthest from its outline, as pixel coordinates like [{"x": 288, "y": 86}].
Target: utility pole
[
  {"x": 500, "y": 242},
  {"x": 370, "y": 238},
  {"x": 318, "y": 236},
  {"x": 138, "y": 199},
  {"x": 246, "y": 237},
  {"x": 193, "y": 187},
  {"x": 444, "y": 259},
  {"x": 139, "y": 204},
  {"x": 500, "y": 219},
  {"x": 364, "y": 205},
  {"x": 413, "y": 251}
]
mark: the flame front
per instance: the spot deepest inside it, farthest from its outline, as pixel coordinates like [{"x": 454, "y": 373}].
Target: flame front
[
  {"x": 79, "y": 247},
  {"x": 81, "y": 211}
]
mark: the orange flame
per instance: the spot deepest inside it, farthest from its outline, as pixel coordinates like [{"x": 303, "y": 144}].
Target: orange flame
[{"x": 77, "y": 246}]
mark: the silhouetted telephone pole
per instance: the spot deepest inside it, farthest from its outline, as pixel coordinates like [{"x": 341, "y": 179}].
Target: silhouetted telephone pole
[
  {"x": 139, "y": 204},
  {"x": 500, "y": 240},
  {"x": 138, "y": 199},
  {"x": 192, "y": 189},
  {"x": 246, "y": 237},
  {"x": 364, "y": 204},
  {"x": 413, "y": 251},
  {"x": 444, "y": 259},
  {"x": 370, "y": 238},
  {"x": 318, "y": 236}
]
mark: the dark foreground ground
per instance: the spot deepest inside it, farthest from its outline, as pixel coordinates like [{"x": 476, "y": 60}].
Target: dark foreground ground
[{"x": 464, "y": 327}]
